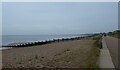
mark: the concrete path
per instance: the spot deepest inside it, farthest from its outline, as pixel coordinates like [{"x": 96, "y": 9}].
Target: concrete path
[
  {"x": 112, "y": 44},
  {"x": 105, "y": 58}
]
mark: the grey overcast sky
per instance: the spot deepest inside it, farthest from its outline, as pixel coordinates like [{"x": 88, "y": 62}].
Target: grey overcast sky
[{"x": 34, "y": 18}]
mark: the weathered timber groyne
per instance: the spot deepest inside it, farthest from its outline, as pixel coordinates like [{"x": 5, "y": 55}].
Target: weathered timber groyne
[{"x": 28, "y": 44}]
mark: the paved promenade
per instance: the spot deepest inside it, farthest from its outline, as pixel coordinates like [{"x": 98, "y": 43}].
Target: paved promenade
[
  {"x": 109, "y": 53},
  {"x": 105, "y": 58},
  {"x": 112, "y": 44}
]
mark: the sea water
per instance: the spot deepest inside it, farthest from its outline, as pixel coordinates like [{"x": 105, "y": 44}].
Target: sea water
[{"x": 8, "y": 39}]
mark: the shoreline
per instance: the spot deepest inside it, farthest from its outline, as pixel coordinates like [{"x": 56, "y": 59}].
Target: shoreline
[
  {"x": 11, "y": 39},
  {"x": 34, "y": 43}
]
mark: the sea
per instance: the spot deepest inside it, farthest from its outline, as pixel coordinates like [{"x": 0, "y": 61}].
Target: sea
[{"x": 9, "y": 39}]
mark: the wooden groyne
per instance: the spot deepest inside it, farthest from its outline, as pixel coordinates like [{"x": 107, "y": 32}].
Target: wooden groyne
[{"x": 28, "y": 44}]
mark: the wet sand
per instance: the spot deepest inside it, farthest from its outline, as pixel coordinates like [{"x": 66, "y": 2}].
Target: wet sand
[{"x": 68, "y": 54}]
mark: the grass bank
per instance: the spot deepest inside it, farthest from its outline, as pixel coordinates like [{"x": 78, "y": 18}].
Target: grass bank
[{"x": 93, "y": 55}]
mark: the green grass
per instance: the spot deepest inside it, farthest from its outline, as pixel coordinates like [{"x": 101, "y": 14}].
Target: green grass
[
  {"x": 115, "y": 34},
  {"x": 98, "y": 41},
  {"x": 93, "y": 56}
]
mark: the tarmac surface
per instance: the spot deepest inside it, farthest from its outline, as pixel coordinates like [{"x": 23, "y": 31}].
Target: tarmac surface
[
  {"x": 109, "y": 53},
  {"x": 112, "y": 45},
  {"x": 105, "y": 58}
]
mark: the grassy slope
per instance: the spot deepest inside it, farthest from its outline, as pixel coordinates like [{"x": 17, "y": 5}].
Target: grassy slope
[
  {"x": 116, "y": 34},
  {"x": 93, "y": 56}
]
